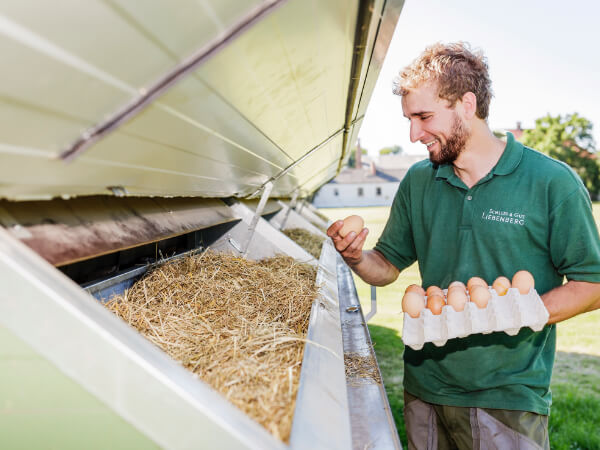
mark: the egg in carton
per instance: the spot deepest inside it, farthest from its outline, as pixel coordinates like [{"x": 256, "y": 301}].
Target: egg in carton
[{"x": 508, "y": 313}]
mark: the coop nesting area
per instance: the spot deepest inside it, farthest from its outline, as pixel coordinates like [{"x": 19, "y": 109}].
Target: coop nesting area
[
  {"x": 239, "y": 325},
  {"x": 310, "y": 242}
]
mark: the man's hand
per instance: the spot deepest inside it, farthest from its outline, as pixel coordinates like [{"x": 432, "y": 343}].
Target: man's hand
[
  {"x": 370, "y": 265},
  {"x": 350, "y": 247}
]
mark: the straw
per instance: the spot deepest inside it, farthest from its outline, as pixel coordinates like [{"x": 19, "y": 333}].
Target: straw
[
  {"x": 361, "y": 369},
  {"x": 310, "y": 242},
  {"x": 239, "y": 325}
]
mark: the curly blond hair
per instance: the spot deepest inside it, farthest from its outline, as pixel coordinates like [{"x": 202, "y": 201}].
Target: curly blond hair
[{"x": 455, "y": 68}]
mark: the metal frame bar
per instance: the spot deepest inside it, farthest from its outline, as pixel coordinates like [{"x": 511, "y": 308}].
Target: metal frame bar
[
  {"x": 274, "y": 178},
  {"x": 291, "y": 206},
  {"x": 285, "y": 171},
  {"x": 365, "y": 13},
  {"x": 321, "y": 417},
  {"x": 257, "y": 215},
  {"x": 271, "y": 238},
  {"x": 294, "y": 220},
  {"x": 373, "y": 310},
  {"x": 371, "y": 417}
]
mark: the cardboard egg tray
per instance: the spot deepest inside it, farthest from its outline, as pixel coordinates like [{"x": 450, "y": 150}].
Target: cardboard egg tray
[{"x": 508, "y": 313}]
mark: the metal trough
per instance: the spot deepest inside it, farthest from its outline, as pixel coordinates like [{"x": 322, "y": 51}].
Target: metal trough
[{"x": 160, "y": 399}]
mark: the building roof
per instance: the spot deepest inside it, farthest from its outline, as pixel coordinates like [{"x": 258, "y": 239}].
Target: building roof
[
  {"x": 516, "y": 132},
  {"x": 365, "y": 175},
  {"x": 393, "y": 161}
]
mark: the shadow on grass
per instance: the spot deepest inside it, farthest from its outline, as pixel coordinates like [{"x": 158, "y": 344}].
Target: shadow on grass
[{"x": 575, "y": 416}]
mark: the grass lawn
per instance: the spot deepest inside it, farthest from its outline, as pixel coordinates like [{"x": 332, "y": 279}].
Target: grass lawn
[{"x": 575, "y": 416}]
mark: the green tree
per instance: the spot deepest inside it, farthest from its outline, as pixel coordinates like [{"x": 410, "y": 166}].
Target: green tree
[
  {"x": 568, "y": 139},
  {"x": 395, "y": 149}
]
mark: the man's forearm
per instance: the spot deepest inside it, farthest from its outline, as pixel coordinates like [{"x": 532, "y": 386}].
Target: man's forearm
[
  {"x": 570, "y": 299},
  {"x": 375, "y": 269}
]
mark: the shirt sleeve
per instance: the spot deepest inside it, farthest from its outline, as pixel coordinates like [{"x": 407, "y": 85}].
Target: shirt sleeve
[
  {"x": 574, "y": 241},
  {"x": 396, "y": 242}
]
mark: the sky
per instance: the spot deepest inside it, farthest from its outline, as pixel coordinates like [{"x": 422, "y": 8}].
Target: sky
[{"x": 543, "y": 57}]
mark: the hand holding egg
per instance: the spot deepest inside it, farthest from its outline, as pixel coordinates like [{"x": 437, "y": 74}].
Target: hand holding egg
[
  {"x": 351, "y": 223},
  {"x": 341, "y": 228},
  {"x": 350, "y": 247}
]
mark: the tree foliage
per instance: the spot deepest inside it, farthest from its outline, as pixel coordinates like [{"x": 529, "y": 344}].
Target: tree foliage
[
  {"x": 568, "y": 139},
  {"x": 395, "y": 150}
]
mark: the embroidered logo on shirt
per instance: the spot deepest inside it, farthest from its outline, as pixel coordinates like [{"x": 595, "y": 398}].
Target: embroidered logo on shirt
[{"x": 504, "y": 217}]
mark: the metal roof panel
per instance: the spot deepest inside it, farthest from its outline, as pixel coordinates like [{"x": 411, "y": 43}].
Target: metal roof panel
[{"x": 272, "y": 93}]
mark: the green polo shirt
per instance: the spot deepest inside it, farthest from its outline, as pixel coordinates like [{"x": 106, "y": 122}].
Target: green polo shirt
[{"x": 530, "y": 212}]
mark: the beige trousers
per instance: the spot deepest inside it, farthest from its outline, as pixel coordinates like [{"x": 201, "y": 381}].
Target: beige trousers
[{"x": 431, "y": 427}]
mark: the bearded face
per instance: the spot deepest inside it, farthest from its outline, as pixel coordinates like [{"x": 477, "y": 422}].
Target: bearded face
[{"x": 454, "y": 145}]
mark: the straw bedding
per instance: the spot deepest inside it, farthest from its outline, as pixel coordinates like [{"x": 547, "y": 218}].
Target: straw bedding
[
  {"x": 239, "y": 325},
  {"x": 361, "y": 368},
  {"x": 310, "y": 242}
]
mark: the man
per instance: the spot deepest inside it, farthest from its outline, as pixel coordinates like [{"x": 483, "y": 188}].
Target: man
[{"x": 480, "y": 207}]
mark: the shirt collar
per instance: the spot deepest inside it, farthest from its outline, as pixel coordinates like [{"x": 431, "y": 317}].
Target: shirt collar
[
  {"x": 511, "y": 156},
  {"x": 508, "y": 162},
  {"x": 444, "y": 171}
]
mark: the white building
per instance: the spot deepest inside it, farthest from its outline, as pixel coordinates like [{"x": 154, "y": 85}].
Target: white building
[{"x": 371, "y": 185}]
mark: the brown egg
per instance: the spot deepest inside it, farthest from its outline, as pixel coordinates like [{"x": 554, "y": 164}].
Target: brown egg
[
  {"x": 413, "y": 303},
  {"x": 433, "y": 289},
  {"x": 435, "y": 303},
  {"x": 457, "y": 288},
  {"x": 473, "y": 281},
  {"x": 415, "y": 288},
  {"x": 457, "y": 283},
  {"x": 352, "y": 223},
  {"x": 501, "y": 285},
  {"x": 480, "y": 296},
  {"x": 523, "y": 281},
  {"x": 457, "y": 298}
]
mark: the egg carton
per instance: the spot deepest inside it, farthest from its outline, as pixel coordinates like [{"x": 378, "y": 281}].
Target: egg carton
[{"x": 508, "y": 313}]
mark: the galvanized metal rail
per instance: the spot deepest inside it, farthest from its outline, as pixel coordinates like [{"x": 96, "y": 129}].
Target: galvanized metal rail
[{"x": 371, "y": 418}]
